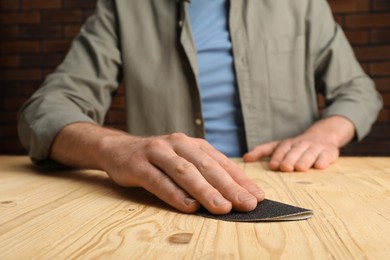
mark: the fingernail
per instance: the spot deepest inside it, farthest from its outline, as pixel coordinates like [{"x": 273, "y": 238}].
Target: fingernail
[
  {"x": 218, "y": 201},
  {"x": 256, "y": 191},
  {"x": 188, "y": 201},
  {"x": 259, "y": 194},
  {"x": 274, "y": 165},
  {"x": 244, "y": 196}
]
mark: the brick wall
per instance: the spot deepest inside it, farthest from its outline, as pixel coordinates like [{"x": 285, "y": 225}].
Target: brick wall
[
  {"x": 35, "y": 35},
  {"x": 367, "y": 25}
]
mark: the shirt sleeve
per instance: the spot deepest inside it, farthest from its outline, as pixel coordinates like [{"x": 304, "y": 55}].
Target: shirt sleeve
[
  {"x": 348, "y": 91},
  {"x": 80, "y": 89}
]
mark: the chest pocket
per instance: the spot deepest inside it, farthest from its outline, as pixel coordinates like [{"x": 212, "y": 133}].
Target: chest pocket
[{"x": 286, "y": 68}]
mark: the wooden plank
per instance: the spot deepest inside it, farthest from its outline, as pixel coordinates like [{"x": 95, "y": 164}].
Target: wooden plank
[{"x": 82, "y": 214}]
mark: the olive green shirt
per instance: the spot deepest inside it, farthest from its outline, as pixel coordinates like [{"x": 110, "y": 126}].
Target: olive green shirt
[{"x": 285, "y": 52}]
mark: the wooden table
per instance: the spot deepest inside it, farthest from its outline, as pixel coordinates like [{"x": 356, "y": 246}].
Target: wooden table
[{"x": 83, "y": 215}]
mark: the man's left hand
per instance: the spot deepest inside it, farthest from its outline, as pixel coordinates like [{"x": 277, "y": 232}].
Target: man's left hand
[{"x": 316, "y": 148}]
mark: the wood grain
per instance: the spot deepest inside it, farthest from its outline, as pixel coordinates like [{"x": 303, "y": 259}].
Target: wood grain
[{"x": 83, "y": 215}]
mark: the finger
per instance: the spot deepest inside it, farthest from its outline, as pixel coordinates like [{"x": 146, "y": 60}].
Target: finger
[
  {"x": 292, "y": 156},
  {"x": 187, "y": 177},
  {"x": 326, "y": 157},
  {"x": 308, "y": 158},
  {"x": 280, "y": 152},
  {"x": 217, "y": 176},
  {"x": 260, "y": 151},
  {"x": 236, "y": 173},
  {"x": 159, "y": 184}
]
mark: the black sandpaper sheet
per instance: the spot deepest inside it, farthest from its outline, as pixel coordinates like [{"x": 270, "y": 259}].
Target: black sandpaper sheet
[{"x": 266, "y": 211}]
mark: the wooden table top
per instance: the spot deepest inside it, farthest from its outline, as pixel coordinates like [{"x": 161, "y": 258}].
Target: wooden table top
[{"x": 82, "y": 214}]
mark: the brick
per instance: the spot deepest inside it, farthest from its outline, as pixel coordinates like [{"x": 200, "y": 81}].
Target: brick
[
  {"x": 116, "y": 116},
  {"x": 20, "y": 18},
  {"x": 9, "y": 5},
  {"x": 12, "y": 89},
  {"x": 8, "y": 117},
  {"x": 41, "y": 4},
  {"x": 120, "y": 90},
  {"x": 339, "y": 19},
  {"x": 9, "y": 32},
  {"x": 70, "y": 31},
  {"x": 9, "y": 61},
  {"x": 349, "y": 6},
  {"x": 368, "y": 21},
  {"x": 21, "y": 75},
  {"x": 12, "y": 103},
  {"x": 79, "y": 4},
  {"x": 320, "y": 101},
  {"x": 47, "y": 71},
  {"x": 41, "y": 60},
  {"x": 87, "y": 13},
  {"x": 358, "y": 37},
  {"x": 71, "y": 16},
  {"x": 19, "y": 89},
  {"x": 368, "y": 148},
  {"x": 365, "y": 66},
  {"x": 29, "y": 46},
  {"x": 8, "y": 130},
  {"x": 380, "y": 5},
  {"x": 11, "y": 146},
  {"x": 56, "y": 45},
  {"x": 380, "y": 131},
  {"x": 384, "y": 116},
  {"x": 380, "y": 68},
  {"x": 386, "y": 99},
  {"x": 118, "y": 102},
  {"x": 383, "y": 84},
  {"x": 380, "y": 35},
  {"x": 373, "y": 53},
  {"x": 41, "y": 31}
]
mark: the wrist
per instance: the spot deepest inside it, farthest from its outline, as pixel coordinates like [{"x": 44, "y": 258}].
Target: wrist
[
  {"x": 335, "y": 130},
  {"x": 109, "y": 146},
  {"x": 324, "y": 136}
]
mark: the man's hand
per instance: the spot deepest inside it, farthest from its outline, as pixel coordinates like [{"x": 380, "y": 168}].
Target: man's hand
[
  {"x": 296, "y": 154},
  {"x": 182, "y": 171},
  {"x": 318, "y": 147}
]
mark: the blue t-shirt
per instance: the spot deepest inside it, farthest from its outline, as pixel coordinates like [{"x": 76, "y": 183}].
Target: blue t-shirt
[{"x": 221, "y": 106}]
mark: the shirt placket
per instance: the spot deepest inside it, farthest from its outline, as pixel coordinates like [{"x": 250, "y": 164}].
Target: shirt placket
[
  {"x": 189, "y": 48},
  {"x": 241, "y": 64}
]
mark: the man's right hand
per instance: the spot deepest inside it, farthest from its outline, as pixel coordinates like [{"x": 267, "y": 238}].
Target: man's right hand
[{"x": 184, "y": 172}]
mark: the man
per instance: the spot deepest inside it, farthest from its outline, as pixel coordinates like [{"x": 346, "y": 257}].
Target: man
[{"x": 241, "y": 73}]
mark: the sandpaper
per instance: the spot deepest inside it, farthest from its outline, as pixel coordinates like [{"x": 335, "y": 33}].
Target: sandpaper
[{"x": 266, "y": 211}]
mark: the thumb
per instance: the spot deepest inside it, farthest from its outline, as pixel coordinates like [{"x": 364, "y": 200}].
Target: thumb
[{"x": 260, "y": 151}]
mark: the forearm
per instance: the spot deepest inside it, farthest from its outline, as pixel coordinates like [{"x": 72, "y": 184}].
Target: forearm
[
  {"x": 80, "y": 145},
  {"x": 336, "y": 130}
]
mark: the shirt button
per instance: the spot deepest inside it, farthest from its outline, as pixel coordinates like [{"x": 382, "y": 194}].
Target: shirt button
[
  {"x": 180, "y": 23},
  {"x": 198, "y": 122}
]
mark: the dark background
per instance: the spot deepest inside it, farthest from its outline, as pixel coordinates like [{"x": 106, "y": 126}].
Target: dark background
[{"x": 35, "y": 35}]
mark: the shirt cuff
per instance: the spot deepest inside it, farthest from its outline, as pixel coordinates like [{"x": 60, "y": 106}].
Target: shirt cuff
[
  {"x": 354, "y": 113},
  {"x": 43, "y": 131}
]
